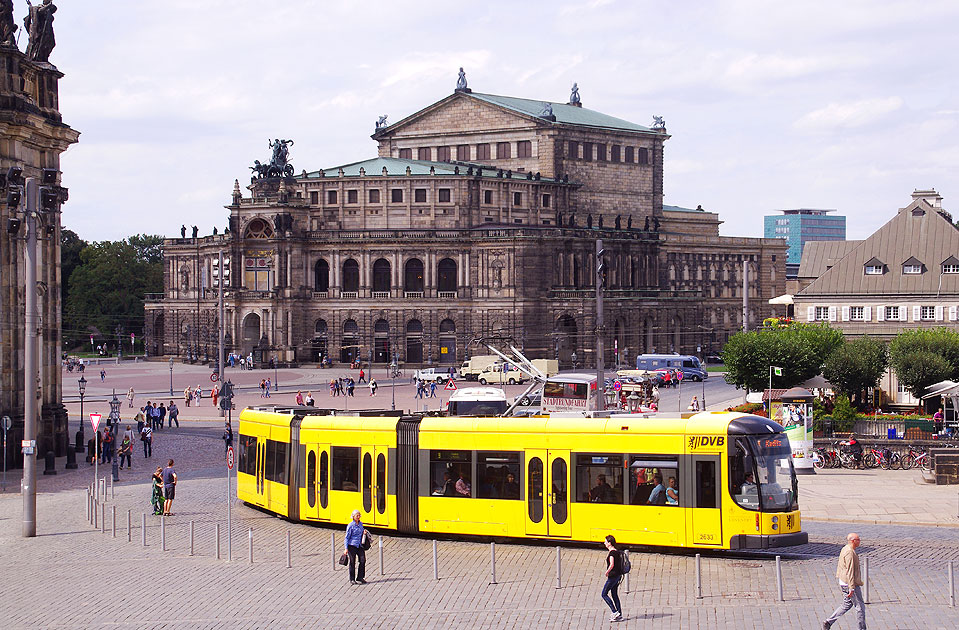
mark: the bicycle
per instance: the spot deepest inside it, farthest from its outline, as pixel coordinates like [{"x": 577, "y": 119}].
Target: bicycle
[{"x": 917, "y": 459}]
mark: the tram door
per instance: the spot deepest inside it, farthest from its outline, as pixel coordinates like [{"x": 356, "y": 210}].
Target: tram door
[
  {"x": 315, "y": 497},
  {"x": 373, "y": 482},
  {"x": 547, "y": 493},
  {"x": 261, "y": 495},
  {"x": 707, "y": 519}
]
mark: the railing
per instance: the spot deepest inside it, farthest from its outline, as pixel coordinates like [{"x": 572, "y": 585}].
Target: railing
[
  {"x": 411, "y": 295},
  {"x": 480, "y": 233},
  {"x": 320, "y": 294},
  {"x": 447, "y": 295},
  {"x": 349, "y": 294},
  {"x": 153, "y": 297},
  {"x": 256, "y": 295},
  {"x": 380, "y": 295}
]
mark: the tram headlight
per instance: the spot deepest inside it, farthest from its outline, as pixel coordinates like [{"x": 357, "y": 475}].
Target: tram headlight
[
  {"x": 775, "y": 519},
  {"x": 775, "y": 526}
]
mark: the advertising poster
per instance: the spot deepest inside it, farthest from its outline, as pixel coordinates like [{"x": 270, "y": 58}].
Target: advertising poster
[{"x": 796, "y": 418}]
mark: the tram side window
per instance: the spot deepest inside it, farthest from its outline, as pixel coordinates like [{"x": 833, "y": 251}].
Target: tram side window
[
  {"x": 450, "y": 473},
  {"x": 346, "y": 468},
  {"x": 247, "y": 463},
  {"x": 742, "y": 479},
  {"x": 649, "y": 472},
  {"x": 599, "y": 478},
  {"x": 497, "y": 475},
  {"x": 276, "y": 461}
]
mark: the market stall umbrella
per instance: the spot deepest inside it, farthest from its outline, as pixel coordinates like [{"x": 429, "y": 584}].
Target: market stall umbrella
[{"x": 784, "y": 300}]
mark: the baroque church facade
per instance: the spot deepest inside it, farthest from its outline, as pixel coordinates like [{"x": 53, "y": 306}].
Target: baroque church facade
[{"x": 477, "y": 219}]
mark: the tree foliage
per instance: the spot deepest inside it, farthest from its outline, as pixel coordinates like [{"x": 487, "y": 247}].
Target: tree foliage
[
  {"x": 106, "y": 289},
  {"x": 70, "y": 247},
  {"x": 799, "y": 349},
  {"x": 925, "y": 356},
  {"x": 856, "y": 365},
  {"x": 843, "y": 415}
]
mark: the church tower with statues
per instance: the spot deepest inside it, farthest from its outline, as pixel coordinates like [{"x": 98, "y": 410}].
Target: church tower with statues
[{"x": 32, "y": 137}]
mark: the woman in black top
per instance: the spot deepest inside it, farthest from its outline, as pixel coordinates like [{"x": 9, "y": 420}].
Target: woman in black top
[{"x": 614, "y": 572}]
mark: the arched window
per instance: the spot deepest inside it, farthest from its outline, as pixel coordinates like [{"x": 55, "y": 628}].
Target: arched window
[
  {"x": 320, "y": 327},
  {"x": 381, "y": 327},
  {"x": 259, "y": 229},
  {"x": 413, "y": 275},
  {"x": 349, "y": 348},
  {"x": 321, "y": 276},
  {"x": 351, "y": 276},
  {"x": 446, "y": 276},
  {"x": 381, "y": 276},
  {"x": 414, "y": 326},
  {"x": 447, "y": 326}
]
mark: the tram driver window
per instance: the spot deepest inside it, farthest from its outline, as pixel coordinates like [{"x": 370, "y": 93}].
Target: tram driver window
[
  {"x": 497, "y": 475},
  {"x": 599, "y": 478},
  {"x": 346, "y": 468},
  {"x": 646, "y": 473},
  {"x": 450, "y": 473},
  {"x": 742, "y": 478}
]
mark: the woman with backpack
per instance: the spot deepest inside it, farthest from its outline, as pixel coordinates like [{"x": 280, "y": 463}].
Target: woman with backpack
[
  {"x": 356, "y": 543},
  {"x": 614, "y": 573}
]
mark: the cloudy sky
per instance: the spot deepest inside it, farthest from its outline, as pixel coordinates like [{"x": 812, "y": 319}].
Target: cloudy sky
[{"x": 848, "y": 105}]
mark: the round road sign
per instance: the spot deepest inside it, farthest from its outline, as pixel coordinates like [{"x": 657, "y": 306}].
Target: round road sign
[
  {"x": 617, "y": 385},
  {"x": 679, "y": 375},
  {"x": 229, "y": 458},
  {"x": 214, "y": 377}
]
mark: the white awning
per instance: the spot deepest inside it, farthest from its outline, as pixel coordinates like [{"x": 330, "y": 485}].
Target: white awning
[
  {"x": 945, "y": 388},
  {"x": 784, "y": 299}
]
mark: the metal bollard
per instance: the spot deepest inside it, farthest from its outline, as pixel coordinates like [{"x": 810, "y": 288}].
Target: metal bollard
[
  {"x": 113, "y": 486},
  {"x": 952, "y": 586},
  {"x": 492, "y": 561},
  {"x": 217, "y": 541},
  {"x": 113, "y": 508},
  {"x": 381, "y": 556},
  {"x": 436, "y": 566},
  {"x": 865, "y": 580},
  {"x": 163, "y": 533},
  {"x": 626, "y": 553},
  {"x": 191, "y": 537},
  {"x": 289, "y": 551},
  {"x": 88, "y": 503},
  {"x": 103, "y": 518},
  {"x": 143, "y": 529},
  {"x": 699, "y": 577},
  {"x": 93, "y": 519},
  {"x": 129, "y": 525},
  {"x": 779, "y": 578},
  {"x": 251, "y": 545},
  {"x": 333, "y": 548},
  {"x": 559, "y": 569}
]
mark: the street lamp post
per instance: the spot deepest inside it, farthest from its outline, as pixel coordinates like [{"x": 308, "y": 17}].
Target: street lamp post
[
  {"x": 82, "y": 384},
  {"x": 115, "y": 428},
  {"x": 171, "y": 377}
]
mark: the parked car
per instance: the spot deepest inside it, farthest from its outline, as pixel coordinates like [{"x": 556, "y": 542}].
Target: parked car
[{"x": 437, "y": 375}]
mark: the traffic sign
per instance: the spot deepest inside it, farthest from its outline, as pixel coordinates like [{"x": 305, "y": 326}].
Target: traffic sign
[
  {"x": 95, "y": 420},
  {"x": 679, "y": 375},
  {"x": 7, "y": 422},
  {"x": 214, "y": 377},
  {"x": 229, "y": 458},
  {"x": 450, "y": 386},
  {"x": 617, "y": 385}
]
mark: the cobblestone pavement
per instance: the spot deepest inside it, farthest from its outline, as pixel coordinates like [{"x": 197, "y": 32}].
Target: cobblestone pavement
[{"x": 79, "y": 577}]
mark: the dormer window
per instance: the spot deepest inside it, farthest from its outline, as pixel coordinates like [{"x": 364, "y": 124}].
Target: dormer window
[
  {"x": 874, "y": 267},
  {"x": 950, "y": 265},
  {"x": 913, "y": 266}
]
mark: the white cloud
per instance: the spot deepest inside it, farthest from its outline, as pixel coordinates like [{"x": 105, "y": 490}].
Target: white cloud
[{"x": 849, "y": 114}]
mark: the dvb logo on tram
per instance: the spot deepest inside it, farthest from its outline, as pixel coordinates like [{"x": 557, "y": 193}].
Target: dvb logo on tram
[{"x": 706, "y": 441}]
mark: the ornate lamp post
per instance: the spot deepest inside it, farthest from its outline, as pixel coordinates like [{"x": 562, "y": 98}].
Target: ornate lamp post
[
  {"x": 633, "y": 402},
  {"x": 171, "y": 377},
  {"x": 114, "y": 425},
  {"x": 82, "y": 385},
  {"x": 610, "y": 398}
]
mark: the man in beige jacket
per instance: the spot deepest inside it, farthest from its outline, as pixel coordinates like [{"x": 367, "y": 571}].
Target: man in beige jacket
[{"x": 850, "y": 580}]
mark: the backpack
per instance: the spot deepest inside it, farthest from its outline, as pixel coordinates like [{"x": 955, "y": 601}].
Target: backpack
[{"x": 626, "y": 563}]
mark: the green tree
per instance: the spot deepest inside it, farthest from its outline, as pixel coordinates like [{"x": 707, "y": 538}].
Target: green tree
[
  {"x": 107, "y": 288},
  {"x": 843, "y": 415},
  {"x": 799, "y": 349},
  {"x": 925, "y": 356},
  {"x": 70, "y": 247},
  {"x": 857, "y": 365}
]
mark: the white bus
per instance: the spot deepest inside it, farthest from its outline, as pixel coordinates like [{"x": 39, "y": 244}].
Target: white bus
[{"x": 572, "y": 392}]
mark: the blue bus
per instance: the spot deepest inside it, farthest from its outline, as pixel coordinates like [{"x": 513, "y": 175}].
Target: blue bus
[{"x": 692, "y": 369}]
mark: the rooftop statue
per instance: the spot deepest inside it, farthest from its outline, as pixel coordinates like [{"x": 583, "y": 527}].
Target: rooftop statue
[
  {"x": 7, "y": 26},
  {"x": 279, "y": 165},
  {"x": 381, "y": 122},
  {"x": 574, "y": 95},
  {"x": 658, "y": 122},
  {"x": 461, "y": 80},
  {"x": 547, "y": 110},
  {"x": 39, "y": 25}
]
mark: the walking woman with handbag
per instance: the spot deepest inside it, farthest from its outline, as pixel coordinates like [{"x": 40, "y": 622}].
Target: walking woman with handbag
[{"x": 356, "y": 544}]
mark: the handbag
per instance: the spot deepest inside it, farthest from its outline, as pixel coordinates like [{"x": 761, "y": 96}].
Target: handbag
[
  {"x": 344, "y": 559},
  {"x": 367, "y": 541}
]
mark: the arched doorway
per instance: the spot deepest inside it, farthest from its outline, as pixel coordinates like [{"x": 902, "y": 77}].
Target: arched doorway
[
  {"x": 447, "y": 341},
  {"x": 321, "y": 276},
  {"x": 351, "y": 276},
  {"x": 349, "y": 348},
  {"x": 413, "y": 276},
  {"x": 320, "y": 341},
  {"x": 565, "y": 335},
  {"x": 414, "y": 341},
  {"x": 382, "y": 277},
  {"x": 381, "y": 341},
  {"x": 446, "y": 278},
  {"x": 251, "y": 333},
  {"x": 158, "y": 335}
]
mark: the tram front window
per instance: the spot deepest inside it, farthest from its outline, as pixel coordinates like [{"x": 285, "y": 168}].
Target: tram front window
[{"x": 761, "y": 474}]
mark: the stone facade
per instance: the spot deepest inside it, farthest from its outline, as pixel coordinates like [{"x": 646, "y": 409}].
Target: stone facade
[
  {"x": 421, "y": 258},
  {"x": 32, "y": 137}
]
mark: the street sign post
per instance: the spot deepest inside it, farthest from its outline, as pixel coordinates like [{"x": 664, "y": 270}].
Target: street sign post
[
  {"x": 214, "y": 377},
  {"x": 7, "y": 423},
  {"x": 617, "y": 385},
  {"x": 229, "y": 457},
  {"x": 229, "y": 504},
  {"x": 95, "y": 421},
  {"x": 450, "y": 386}
]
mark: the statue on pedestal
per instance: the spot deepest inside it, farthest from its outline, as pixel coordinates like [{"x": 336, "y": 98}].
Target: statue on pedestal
[
  {"x": 461, "y": 81},
  {"x": 7, "y": 26},
  {"x": 39, "y": 25},
  {"x": 574, "y": 95}
]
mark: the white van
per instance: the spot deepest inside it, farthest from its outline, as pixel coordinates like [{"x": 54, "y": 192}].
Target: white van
[
  {"x": 495, "y": 374},
  {"x": 477, "y": 401}
]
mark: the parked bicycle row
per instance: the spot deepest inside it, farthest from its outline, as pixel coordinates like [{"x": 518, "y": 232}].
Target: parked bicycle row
[{"x": 851, "y": 454}]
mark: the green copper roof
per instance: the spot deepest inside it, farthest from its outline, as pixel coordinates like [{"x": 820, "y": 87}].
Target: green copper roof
[
  {"x": 565, "y": 113},
  {"x": 667, "y": 208},
  {"x": 396, "y": 167}
]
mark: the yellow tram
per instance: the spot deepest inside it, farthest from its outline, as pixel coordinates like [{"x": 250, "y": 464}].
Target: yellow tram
[{"x": 730, "y": 476}]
